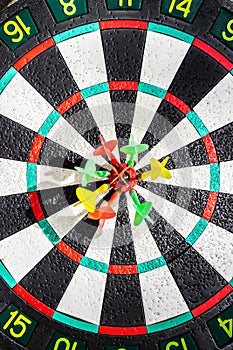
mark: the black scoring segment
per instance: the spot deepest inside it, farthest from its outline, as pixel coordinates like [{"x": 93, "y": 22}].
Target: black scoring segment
[
  {"x": 190, "y": 199},
  {"x": 16, "y": 214},
  {"x": 223, "y": 213},
  {"x": 123, "y": 50},
  {"x": 80, "y": 237},
  {"x": 196, "y": 278},
  {"x": 193, "y": 154},
  {"x": 197, "y": 75},
  {"x": 49, "y": 279},
  {"x": 123, "y": 247},
  {"x": 122, "y": 293},
  {"x": 55, "y": 155},
  {"x": 165, "y": 119},
  {"x": 50, "y": 76},
  {"x": 55, "y": 199},
  {"x": 15, "y": 141},
  {"x": 81, "y": 119},
  {"x": 223, "y": 142}
]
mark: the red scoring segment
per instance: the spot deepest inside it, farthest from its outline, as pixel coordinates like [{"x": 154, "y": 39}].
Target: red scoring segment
[
  {"x": 212, "y": 301},
  {"x": 216, "y": 55},
  {"x": 36, "y": 51},
  {"x": 132, "y": 24},
  {"x": 210, "y": 206},
  {"x": 31, "y": 300}
]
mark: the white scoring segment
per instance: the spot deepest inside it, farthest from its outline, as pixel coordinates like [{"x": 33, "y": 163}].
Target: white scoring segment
[
  {"x": 85, "y": 59},
  {"x": 84, "y": 296},
  {"x": 162, "y": 58},
  {"x": 181, "y": 135},
  {"x": 215, "y": 109},
  {"x": 181, "y": 219},
  {"x": 145, "y": 109},
  {"x": 161, "y": 297},
  {"x": 23, "y": 250},
  {"x": 65, "y": 135},
  {"x": 226, "y": 178},
  {"x": 13, "y": 177},
  {"x": 101, "y": 108},
  {"x": 64, "y": 220},
  {"x": 52, "y": 177},
  {"x": 23, "y": 104},
  {"x": 101, "y": 244},
  {"x": 194, "y": 177},
  {"x": 216, "y": 246},
  {"x": 144, "y": 244}
]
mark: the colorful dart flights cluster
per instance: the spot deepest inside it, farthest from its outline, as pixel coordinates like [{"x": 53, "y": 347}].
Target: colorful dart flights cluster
[{"x": 122, "y": 178}]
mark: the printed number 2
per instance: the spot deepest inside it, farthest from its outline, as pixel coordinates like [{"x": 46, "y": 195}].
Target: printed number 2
[
  {"x": 227, "y": 329},
  {"x": 230, "y": 30},
  {"x": 69, "y": 7},
  {"x": 20, "y": 321},
  {"x": 183, "y": 6},
  {"x": 17, "y": 29}
]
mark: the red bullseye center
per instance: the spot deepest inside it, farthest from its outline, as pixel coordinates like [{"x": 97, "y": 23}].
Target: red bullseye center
[{"x": 123, "y": 178}]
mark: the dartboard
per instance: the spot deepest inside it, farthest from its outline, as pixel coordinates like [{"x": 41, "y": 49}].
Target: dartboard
[{"x": 116, "y": 163}]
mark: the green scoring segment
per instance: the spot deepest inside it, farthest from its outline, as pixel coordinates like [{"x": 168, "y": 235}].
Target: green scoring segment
[
  {"x": 221, "y": 327},
  {"x": 17, "y": 325},
  {"x": 124, "y": 4},
  {"x": 63, "y": 9},
  {"x": 223, "y": 28},
  {"x": 184, "y": 342},
  {"x": 18, "y": 29},
  {"x": 182, "y": 9},
  {"x": 60, "y": 342}
]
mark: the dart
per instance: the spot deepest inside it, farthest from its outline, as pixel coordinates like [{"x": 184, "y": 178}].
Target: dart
[
  {"x": 142, "y": 210},
  {"x": 133, "y": 150},
  {"x": 104, "y": 213},
  {"x": 157, "y": 170},
  {"x": 106, "y": 149},
  {"x": 89, "y": 172},
  {"x": 88, "y": 198}
]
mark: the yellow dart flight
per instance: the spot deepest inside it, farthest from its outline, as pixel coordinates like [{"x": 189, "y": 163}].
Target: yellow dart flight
[{"x": 157, "y": 170}]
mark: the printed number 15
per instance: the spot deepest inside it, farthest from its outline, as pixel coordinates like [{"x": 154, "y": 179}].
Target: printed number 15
[{"x": 183, "y": 6}]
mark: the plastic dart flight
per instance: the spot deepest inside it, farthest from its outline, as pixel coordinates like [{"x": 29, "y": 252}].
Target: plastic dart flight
[
  {"x": 104, "y": 213},
  {"x": 157, "y": 170},
  {"x": 133, "y": 150},
  {"x": 106, "y": 149},
  {"x": 89, "y": 172},
  {"x": 88, "y": 198},
  {"x": 142, "y": 210}
]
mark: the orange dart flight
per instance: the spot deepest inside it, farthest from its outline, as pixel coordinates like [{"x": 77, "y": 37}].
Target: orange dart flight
[
  {"x": 106, "y": 149},
  {"x": 105, "y": 212}
]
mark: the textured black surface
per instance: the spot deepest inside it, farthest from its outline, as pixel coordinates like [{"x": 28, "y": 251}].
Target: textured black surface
[
  {"x": 50, "y": 76},
  {"x": 15, "y": 134},
  {"x": 16, "y": 214},
  {"x": 123, "y": 247},
  {"x": 123, "y": 293},
  {"x": 197, "y": 75},
  {"x": 57, "y": 270}
]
